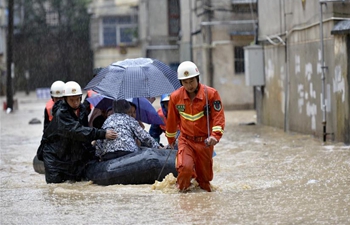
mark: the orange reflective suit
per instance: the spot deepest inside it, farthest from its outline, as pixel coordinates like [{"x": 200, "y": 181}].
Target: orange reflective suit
[
  {"x": 161, "y": 115},
  {"x": 194, "y": 157},
  {"x": 48, "y": 107},
  {"x": 48, "y": 113},
  {"x": 91, "y": 93}
]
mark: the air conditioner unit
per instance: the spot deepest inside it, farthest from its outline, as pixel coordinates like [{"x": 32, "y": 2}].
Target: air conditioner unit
[{"x": 254, "y": 65}]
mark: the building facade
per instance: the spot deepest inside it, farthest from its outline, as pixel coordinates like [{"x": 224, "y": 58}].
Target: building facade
[
  {"x": 135, "y": 28},
  {"x": 213, "y": 35},
  {"x": 160, "y": 30},
  {"x": 114, "y": 31},
  {"x": 306, "y": 47}
]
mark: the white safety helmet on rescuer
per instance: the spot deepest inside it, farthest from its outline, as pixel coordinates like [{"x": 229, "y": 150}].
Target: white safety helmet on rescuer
[
  {"x": 187, "y": 69},
  {"x": 57, "y": 89},
  {"x": 72, "y": 88}
]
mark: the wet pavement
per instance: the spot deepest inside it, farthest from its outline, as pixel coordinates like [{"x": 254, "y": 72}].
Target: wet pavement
[{"x": 261, "y": 176}]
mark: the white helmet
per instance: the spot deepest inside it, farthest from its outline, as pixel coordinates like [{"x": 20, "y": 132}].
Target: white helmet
[
  {"x": 187, "y": 70},
  {"x": 72, "y": 88},
  {"x": 57, "y": 89}
]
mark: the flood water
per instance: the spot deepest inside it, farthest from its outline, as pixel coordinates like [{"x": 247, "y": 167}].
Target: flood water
[{"x": 261, "y": 176}]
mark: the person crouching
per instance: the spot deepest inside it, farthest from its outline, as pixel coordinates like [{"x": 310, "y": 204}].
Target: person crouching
[{"x": 67, "y": 139}]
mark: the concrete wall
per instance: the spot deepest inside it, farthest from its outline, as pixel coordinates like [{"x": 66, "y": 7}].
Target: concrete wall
[
  {"x": 306, "y": 85},
  {"x": 341, "y": 87},
  {"x": 277, "y": 16},
  {"x": 105, "y": 56},
  {"x": 305, "y": 108},
  {"x": 186, "y": 24},
  {"x": 157, "y": 19},
  {"x": 153, "y": 20},
  {"x": 292, "y": 97},
  {"x": 234, "y": 92},
  {"x": 154, "y": 32},
  {"x": 273, "y": 92}
]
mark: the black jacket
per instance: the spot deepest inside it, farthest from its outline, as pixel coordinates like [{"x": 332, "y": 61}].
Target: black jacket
[{"x": 66, "y": 143}]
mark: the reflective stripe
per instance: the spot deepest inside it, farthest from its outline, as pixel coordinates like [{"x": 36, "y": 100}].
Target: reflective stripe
[
  {"x": 217, "y": 129},
  {"x": 192, "y": 117},
  {"x": 170, "y": 135}
]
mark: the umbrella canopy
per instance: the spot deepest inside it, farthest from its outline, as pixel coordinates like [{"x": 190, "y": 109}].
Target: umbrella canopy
[
  {"x": 131, "y": 78},
  {"x": 145, "y": 111},
  {"x": 100, "y": 101}
]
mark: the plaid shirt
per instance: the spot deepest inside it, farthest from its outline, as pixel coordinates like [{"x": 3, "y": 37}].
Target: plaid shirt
[{"x": 128, "y": 129}]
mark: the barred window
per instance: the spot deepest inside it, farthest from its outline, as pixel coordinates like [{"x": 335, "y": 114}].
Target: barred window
[
  {"x": 244, "y": 7},
  {"x": 174, "y": 17},
  {"x": 239, "y": 60}
]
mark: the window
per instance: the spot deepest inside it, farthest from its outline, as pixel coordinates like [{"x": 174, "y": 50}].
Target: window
[
  {"x": 174, "y": 66},
  {"x": 119, "y": 30},
  {"x": 244, "y": 8},
  {"x": 239, "y": 60},
  {"x": 174, "y": 17}
]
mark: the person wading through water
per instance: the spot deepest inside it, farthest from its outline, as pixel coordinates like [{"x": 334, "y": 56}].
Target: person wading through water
[{"x": 198, "y": 111}]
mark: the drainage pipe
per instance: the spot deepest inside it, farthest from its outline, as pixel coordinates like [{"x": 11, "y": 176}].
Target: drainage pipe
[{"x": 323, "y": 78}]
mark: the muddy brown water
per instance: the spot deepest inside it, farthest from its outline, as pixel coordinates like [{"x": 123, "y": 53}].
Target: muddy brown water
[{"x": 262, "y": 175}]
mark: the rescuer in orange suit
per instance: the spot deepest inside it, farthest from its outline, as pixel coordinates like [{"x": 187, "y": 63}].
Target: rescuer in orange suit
[{"x": 198, "y": 111}]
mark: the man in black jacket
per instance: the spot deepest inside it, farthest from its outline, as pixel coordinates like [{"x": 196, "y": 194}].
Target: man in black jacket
[{"x": 66, "y": 143}]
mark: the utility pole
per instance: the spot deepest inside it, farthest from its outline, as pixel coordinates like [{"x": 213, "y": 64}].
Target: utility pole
[
  {"x": 9, "y": 91},
  {"x": 208, "y": 40}
]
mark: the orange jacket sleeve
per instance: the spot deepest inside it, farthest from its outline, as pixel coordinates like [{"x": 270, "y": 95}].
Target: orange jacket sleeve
[
  {"x": 217, "y": 115},
  {"x": 172, "y": 120}
]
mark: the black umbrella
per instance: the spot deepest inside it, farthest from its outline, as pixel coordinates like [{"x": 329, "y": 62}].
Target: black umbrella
[{"x": 131, "y": 78}]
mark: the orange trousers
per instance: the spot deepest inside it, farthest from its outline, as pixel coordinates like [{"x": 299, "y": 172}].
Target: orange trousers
[{"x": 194, "y": 160}]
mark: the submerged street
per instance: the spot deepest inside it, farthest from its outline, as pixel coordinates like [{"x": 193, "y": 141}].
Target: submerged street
[{"x": 262, "y": 175}]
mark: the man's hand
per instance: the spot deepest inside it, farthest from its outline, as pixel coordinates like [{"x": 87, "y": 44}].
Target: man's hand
[
  {"x": 211, "y": 141},
  {"x": 111, "y": 134}
]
